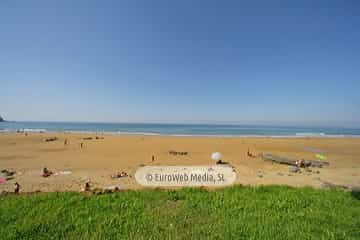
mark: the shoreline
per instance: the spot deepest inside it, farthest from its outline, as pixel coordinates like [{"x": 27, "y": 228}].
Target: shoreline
[
  {"x": 300, "y": 136},
  {"x": 185, "y": 130}
]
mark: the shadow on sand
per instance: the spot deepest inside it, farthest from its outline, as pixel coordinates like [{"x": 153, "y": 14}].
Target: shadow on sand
[{"x": 222, "y": 163}]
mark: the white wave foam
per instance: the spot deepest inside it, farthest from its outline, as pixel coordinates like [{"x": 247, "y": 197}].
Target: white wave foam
[
  {"x": 34, "y": 130},
  {"x": 310, "y": 134},
  {"x": 6, "y": 130},
  {"x": 138, "y": 133}
]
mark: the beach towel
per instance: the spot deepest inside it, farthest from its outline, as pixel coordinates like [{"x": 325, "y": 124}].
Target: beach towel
[
  {"x": 320, "y": 156},
  {"x": 7, "y": 175},
  {"x": 2, "y": 180}
]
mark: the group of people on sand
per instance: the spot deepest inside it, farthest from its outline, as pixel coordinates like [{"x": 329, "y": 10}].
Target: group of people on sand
[
  {"x": 45, "y": 173},
  {"x": 66, "y": 142},
  {"x": 82, "y": 145},
  {"x": 120, "y": 175}
]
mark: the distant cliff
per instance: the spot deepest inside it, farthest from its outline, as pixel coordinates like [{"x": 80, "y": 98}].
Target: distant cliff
[{"x": 1, "y": 119}]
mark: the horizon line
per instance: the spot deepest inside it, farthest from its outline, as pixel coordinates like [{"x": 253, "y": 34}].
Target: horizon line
[{"x": 255, "y": 123}]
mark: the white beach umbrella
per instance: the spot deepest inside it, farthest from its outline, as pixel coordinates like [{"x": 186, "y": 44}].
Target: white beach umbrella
[{"x": 216, "y": 156}]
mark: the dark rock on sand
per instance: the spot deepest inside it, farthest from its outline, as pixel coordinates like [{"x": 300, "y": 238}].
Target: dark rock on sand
[
  {"x": 52, "y": 139},
  {"x": 172, "y": 152}
]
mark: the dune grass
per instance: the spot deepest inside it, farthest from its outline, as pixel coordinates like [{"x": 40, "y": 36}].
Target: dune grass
[{"x": 266, "y": 212}]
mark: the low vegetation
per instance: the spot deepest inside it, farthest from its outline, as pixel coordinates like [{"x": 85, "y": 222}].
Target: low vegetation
[{"x": 266, "y": 212}]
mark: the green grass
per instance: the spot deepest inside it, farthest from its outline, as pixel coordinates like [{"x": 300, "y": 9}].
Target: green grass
[{"x": 271, "y": 212}]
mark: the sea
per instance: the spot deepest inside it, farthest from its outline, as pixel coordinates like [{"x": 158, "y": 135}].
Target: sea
[{"x": 180, "y": 129}]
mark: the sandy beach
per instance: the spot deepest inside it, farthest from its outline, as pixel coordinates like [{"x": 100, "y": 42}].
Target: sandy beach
[{"x": 100, "y": 158}]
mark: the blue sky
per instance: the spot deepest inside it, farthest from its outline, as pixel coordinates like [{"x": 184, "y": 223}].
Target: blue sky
[{"x": 181, "y": 61}]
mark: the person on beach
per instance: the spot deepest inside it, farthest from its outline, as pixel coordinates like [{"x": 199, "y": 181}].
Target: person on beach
[
  {"x": 120, "y": 175},
  {"x": 46, "y": 172},
  {"x": 300, "y": 163},
  {"x": 249, "y": 154},
  {"x": 65, "y": 142},
  {"x": 87, "y": 186},
  {"x": 17, "y": 188}
]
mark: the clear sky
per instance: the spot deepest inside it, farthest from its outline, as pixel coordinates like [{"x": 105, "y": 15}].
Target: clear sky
[{"x": 181, "y": 61}]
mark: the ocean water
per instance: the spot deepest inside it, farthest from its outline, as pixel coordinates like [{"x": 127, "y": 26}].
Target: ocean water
[{"x": 178, "y": 129}]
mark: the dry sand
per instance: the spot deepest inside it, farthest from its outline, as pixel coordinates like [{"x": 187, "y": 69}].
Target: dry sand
[{"x": 100, "y": 158}]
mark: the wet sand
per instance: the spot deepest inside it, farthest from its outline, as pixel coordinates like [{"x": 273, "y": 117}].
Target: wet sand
[{"x": 100, "y": 158}]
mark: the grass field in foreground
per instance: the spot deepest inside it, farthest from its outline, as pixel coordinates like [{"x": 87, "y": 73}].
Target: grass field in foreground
[{"x": 266, "y": 212}]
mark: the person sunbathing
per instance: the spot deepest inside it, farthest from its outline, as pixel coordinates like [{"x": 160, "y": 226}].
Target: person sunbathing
[
  {"x": 46, "y": 172},
  {"x": 120, "y": 175},
  {"x": 87, "y": 186},
  {"x": 302, "y": 163}
]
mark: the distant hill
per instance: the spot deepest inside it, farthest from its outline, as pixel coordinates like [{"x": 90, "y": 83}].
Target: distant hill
[{"x": 1, "y": 119}]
